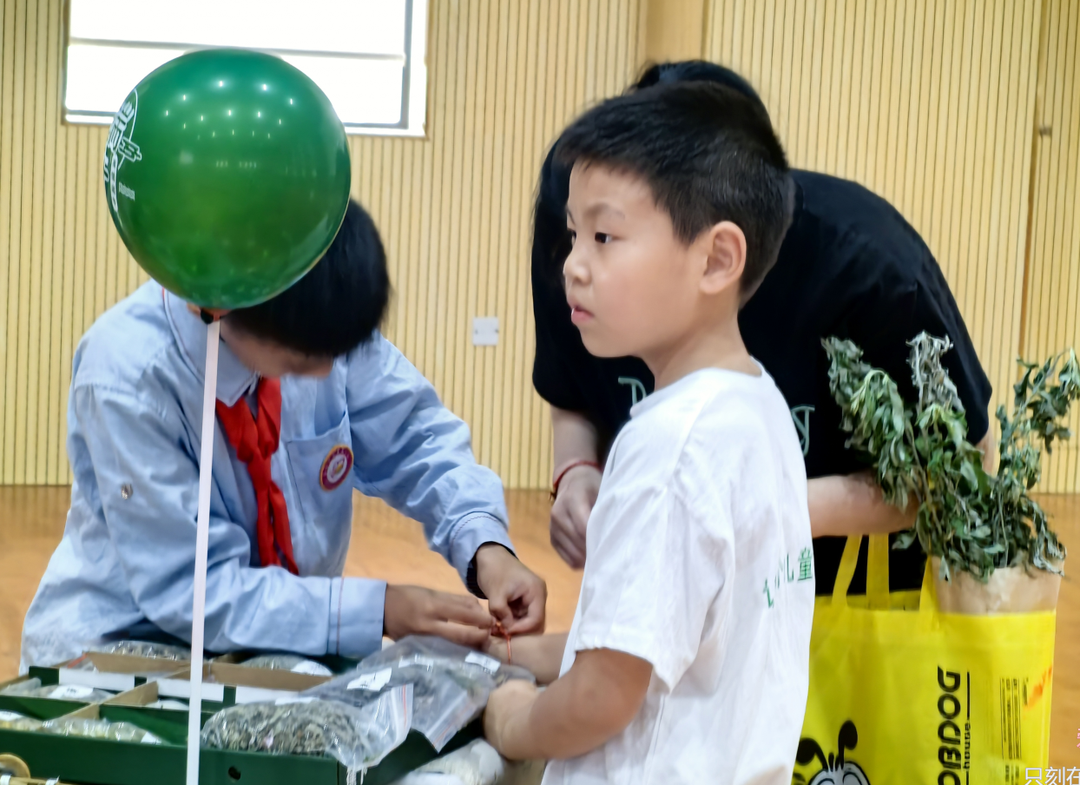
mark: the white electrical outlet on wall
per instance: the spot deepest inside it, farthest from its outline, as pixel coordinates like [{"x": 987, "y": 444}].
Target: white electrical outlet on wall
[{"x": 485, "y": 331}]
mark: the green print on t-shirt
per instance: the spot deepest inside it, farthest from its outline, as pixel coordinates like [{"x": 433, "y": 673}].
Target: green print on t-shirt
[{"x": 786, "y": 573}]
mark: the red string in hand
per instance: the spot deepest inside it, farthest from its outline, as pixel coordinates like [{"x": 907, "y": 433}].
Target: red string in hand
[{"x": 501, "y": 632}]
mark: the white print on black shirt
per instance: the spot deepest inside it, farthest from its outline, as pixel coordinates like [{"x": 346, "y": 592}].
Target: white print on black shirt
[
  {"x": 637, "y": 389},
  {"x": 799, "y": 414}
]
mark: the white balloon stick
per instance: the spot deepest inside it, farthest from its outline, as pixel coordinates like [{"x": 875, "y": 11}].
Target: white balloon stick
[{"x": 202, "y": 543}]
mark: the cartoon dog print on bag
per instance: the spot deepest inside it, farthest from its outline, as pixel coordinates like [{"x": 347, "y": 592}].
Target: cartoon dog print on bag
[{"x": 835, "y": 770}]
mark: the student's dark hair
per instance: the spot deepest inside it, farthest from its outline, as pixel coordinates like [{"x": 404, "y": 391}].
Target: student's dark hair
[
  {"x": 695, "y": 71},
  {"x": 335, "y": 306},
  {"x": 707, "y": 152}
]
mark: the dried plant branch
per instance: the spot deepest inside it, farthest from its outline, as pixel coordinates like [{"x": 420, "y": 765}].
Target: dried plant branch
[{"x": 973, "y": 521}]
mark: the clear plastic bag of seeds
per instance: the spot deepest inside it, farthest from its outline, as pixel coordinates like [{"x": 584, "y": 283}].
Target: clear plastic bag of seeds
[
  {"x": 11, "y": 720},
  {"x": 26, "y": 687},
  {"x": 74, "y": 692},
  {"x": 451, "y": 683},
  {"x": 357, "y": 736},
  {"x": 99, "y": 729},
  {"x": 159, "y": 651},
  {"x": 288, "y": 662},
  {"x": 32, "y": 688}
]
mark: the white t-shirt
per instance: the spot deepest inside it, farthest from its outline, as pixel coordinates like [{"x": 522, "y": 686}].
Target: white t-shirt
[{"x": 700, "y": 562}]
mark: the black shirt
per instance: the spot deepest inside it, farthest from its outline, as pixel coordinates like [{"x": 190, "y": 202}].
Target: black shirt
[{"x": 850, "y": 266}]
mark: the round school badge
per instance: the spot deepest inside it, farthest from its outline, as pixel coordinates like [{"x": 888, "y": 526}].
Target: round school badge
[{"x": 335, "y": 467}]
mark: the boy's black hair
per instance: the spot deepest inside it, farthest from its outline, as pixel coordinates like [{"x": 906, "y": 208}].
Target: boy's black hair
[
  {"x": 707, "y": 152},
  {"x": 335, "y": 306},
  {"x": 696, "y": 71}
]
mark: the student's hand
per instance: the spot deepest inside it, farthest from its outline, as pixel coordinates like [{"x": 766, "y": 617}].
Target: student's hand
[
  {"x": 507, "y": 707},
  {"x": 570, "y": 513},
  {"x": 413, "y": 610},
  {"x": 516, "y": 595}
]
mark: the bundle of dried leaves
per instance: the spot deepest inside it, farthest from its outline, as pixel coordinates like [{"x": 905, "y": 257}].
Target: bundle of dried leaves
[{"x": 973, "y": 521}]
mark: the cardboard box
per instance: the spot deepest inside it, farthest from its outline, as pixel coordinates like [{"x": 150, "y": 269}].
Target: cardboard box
[
  {"x": 114, "y": 672},
  {"x": 73, "y": 688},
  {"x": 224, "y": 683},
  {"x": 146, "y": 694},
  {"x": 229, "y": 683},
  {"x": 105, "y": 762}
]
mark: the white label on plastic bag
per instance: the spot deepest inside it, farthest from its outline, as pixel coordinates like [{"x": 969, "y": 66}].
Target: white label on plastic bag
[
  {"x": 372, "y": 681},
  {"x": 71, "y": 692},
  {"x": 10, "y": 716},
  {"x": 487, "y": 663},
  {"x": 309, "y": 668},
  {"x": 287, "y": 701}
]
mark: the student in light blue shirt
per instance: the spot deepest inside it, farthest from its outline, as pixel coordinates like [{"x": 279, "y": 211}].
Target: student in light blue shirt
[{"x": 353, "y": 413}]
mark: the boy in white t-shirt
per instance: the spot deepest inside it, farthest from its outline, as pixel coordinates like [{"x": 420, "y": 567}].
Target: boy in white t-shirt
[{"x": 688, "y": 657}]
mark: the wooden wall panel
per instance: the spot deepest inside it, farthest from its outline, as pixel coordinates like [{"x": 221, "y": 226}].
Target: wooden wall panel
[
  {"x": 931, "y": 103},
  {"x": 1052, "y": 322},
  {"x": 61, "y": 263},
  {"x": 454, "y": 209}
]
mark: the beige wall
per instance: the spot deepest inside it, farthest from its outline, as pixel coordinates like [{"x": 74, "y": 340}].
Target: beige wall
[
  {"x": 932, "y": 103},
  {"x": 1052, "y": 283},
  {"x": 454, "y": 210}
]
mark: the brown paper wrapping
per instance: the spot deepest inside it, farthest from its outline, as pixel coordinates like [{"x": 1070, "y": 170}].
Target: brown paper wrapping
[{"x": 1008, "y": 590}]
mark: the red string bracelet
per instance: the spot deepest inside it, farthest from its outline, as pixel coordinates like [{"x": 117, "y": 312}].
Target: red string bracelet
[{"x": 571, "y": 465}]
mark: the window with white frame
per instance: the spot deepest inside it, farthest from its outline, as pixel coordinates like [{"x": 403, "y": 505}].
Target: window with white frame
[{"x": 366, "y": 55}]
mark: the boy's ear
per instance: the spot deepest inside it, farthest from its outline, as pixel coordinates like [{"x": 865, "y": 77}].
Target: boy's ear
[{"x": 725, "y": 248}]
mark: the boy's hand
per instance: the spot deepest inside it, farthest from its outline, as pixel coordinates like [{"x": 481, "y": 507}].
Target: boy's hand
[
  {"x": 516, "y": 595},
  {"x": 413, "y": 610},
  {"x": 507, "y": 709},
  {"x": 541, "y": 655},
  {"x": 570, "y": 513}
]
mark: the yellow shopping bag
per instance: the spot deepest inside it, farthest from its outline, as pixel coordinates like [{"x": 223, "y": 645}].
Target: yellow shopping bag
[{"x": 901, "y": 694}]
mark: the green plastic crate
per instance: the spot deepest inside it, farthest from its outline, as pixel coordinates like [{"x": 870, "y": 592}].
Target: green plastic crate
[{"x": 104, "y": 762}]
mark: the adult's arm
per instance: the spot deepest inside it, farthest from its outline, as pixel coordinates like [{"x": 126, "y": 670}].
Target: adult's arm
[
  {"x": 889, "y": 315},
  {"x": 576, "y": 449}
]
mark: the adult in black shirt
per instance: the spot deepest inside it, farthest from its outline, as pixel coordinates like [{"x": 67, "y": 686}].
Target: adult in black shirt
[{"x": 850, "y": 266}]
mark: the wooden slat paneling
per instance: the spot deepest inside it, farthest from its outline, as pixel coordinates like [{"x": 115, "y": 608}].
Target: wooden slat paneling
[
  {"x": 454, "y": 210},
  {"x": 930, "y": 104},
  {"x": 1052, "y": 322}
]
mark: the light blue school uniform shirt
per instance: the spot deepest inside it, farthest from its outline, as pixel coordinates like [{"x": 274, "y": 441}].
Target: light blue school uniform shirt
[{"x": 126, "y": 560}]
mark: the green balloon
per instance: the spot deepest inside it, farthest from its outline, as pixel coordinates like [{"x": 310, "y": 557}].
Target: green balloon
[{"x": 227, "y": 175}]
